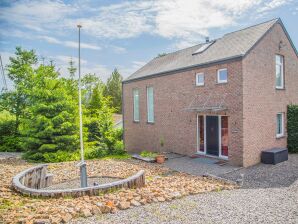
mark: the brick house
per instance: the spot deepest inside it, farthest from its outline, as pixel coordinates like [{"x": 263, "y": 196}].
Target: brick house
[{"x": 225, "y": 98}]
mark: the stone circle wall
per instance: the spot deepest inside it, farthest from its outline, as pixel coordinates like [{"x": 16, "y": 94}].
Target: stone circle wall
[{"x": 31, "y": 182}]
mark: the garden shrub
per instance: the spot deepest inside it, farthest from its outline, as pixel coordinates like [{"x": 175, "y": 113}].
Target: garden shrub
[
  {"x": 9, "y": 141},
  {"x": 292, "y": 128},
  {"x": 148, "y": 154}
]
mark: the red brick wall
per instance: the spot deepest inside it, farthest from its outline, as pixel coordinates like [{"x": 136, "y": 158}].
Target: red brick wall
[
  {"x": 172, "y": 94},
  {"x": 260, "y": 98}
]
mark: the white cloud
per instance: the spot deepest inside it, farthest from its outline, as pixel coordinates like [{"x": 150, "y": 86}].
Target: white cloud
[
  {"x": 36, "y": 15},
  {"x": 124, "y": 20},
  {"x": 270, "y": 5},
  {"x": 71, "y": 44},
  {"x": 52, "y": 40},
  {"x": 74, "y": 44},
  {"x": 182, "y": 20},
  {"x": 186, "y": 21}
]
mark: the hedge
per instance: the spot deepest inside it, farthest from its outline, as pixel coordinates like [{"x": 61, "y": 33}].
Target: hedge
[{"x": 292, "y": 125}]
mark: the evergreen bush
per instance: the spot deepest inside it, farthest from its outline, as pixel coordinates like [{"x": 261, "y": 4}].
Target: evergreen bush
[{"x": 292, "y": 126}]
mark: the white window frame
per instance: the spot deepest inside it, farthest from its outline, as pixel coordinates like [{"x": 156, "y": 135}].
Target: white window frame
[
  {"x": 197, "y": 81},
  {"x": 148, "y": 118},
  {"x": 279, "y": 135},
  {"x": 218, "y": 76},
  {"x": 134, "y": 104},
  {"x": 281, "y": 64}
]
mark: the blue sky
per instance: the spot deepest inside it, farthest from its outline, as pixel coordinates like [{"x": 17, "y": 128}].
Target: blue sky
[{"x": 127, "y": 34}]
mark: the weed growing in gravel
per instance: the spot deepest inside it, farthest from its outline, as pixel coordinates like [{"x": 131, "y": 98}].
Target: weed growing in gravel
[
  {"x": 218, "y": 189},
  {"x": 5, "y": 204},
  {"x": 173, "y": 206},
  {"x": 149, "y": 178}
]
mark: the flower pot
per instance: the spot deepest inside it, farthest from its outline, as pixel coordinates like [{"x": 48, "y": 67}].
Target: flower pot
[{"x": 160, "y": 158}]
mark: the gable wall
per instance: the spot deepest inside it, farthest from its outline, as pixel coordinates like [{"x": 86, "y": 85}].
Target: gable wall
[
  {"x": 172, "y": 94},
  {"x": 261, "y": 101}
]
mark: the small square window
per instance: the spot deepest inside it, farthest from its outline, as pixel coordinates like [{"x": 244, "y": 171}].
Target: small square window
[
  {"x": 280, "y": 125},
  {"x": 222, "y": 76},
  {"x": 200, "y": 79}
]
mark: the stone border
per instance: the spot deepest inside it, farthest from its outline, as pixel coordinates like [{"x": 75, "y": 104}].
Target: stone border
[{"x": 31, "y": 182}]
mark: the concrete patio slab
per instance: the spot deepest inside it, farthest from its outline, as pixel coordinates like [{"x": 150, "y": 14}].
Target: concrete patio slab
[{"x": 198, "y": 166}]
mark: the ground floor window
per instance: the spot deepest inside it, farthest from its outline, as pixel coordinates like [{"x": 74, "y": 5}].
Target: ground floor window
[
  {"x": 224, "y": 136},
  {"x": 279, "y": 125}
]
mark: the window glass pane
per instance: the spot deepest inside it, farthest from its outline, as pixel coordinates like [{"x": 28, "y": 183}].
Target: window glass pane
[
  {"x": 278, "y": 75},
  {"x": 278, "y": 59},
  {"x": 200, "y": 79},
  {"x": 136, "y": 109},
  {"x": 224, "y": 136},
  {"x": 201, "y": 137},
  {"x": 279, "y": 71},
  {"x": 223, "y": 75},
  {"x": 150, "y": 104},
  {"x": 279, "y": 124}
]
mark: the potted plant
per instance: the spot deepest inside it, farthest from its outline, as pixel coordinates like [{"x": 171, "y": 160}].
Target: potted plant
[{"x": 160, "y": 158}]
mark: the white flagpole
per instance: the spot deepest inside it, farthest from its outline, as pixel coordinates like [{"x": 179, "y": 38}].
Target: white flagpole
[{"x": 83, "y": 170}]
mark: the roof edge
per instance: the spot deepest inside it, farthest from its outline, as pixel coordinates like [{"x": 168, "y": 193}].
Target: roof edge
[
  {"x": 221, "y": 61},
  {"x": 261, "y": 38},
  {"x": 288, "y": 36},
  {"x": 248, "y": 27},
  {"x": 279, "y": 21}
]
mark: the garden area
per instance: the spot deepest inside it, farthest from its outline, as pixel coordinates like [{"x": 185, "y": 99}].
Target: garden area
[{"x": 162, "y": 185}]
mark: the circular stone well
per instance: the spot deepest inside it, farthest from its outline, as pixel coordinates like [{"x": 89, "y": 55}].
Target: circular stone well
[{"x": 36, "y": 181}]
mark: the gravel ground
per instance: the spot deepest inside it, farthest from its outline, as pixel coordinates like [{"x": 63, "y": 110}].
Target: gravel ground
[
  {"x": 274, "y": 205},
  {"x": 76, "y": 183},
  {"x": 267, "y": 176},
  {"x": 269, "y": 194}
]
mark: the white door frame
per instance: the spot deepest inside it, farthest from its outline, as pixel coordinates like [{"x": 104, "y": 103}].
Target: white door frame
[{"x": 205, "y": 137}]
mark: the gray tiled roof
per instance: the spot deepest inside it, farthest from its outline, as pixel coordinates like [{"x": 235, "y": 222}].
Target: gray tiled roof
[{"x": 231, "y": 45}]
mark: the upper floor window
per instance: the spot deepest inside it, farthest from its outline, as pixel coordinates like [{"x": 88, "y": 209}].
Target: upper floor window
[
  {"x": 222, "y": 76},
  {"x": 279, "y": 71},
  {"x": 279, "y": 125},
  {"x": 199, "y": 79},
  {"x": 150, "y": 105},
  {"x": 136, "y": 105}
]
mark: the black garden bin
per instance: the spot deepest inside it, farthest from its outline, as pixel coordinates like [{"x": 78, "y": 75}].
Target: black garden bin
[{"x": 274, "y": 155}]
